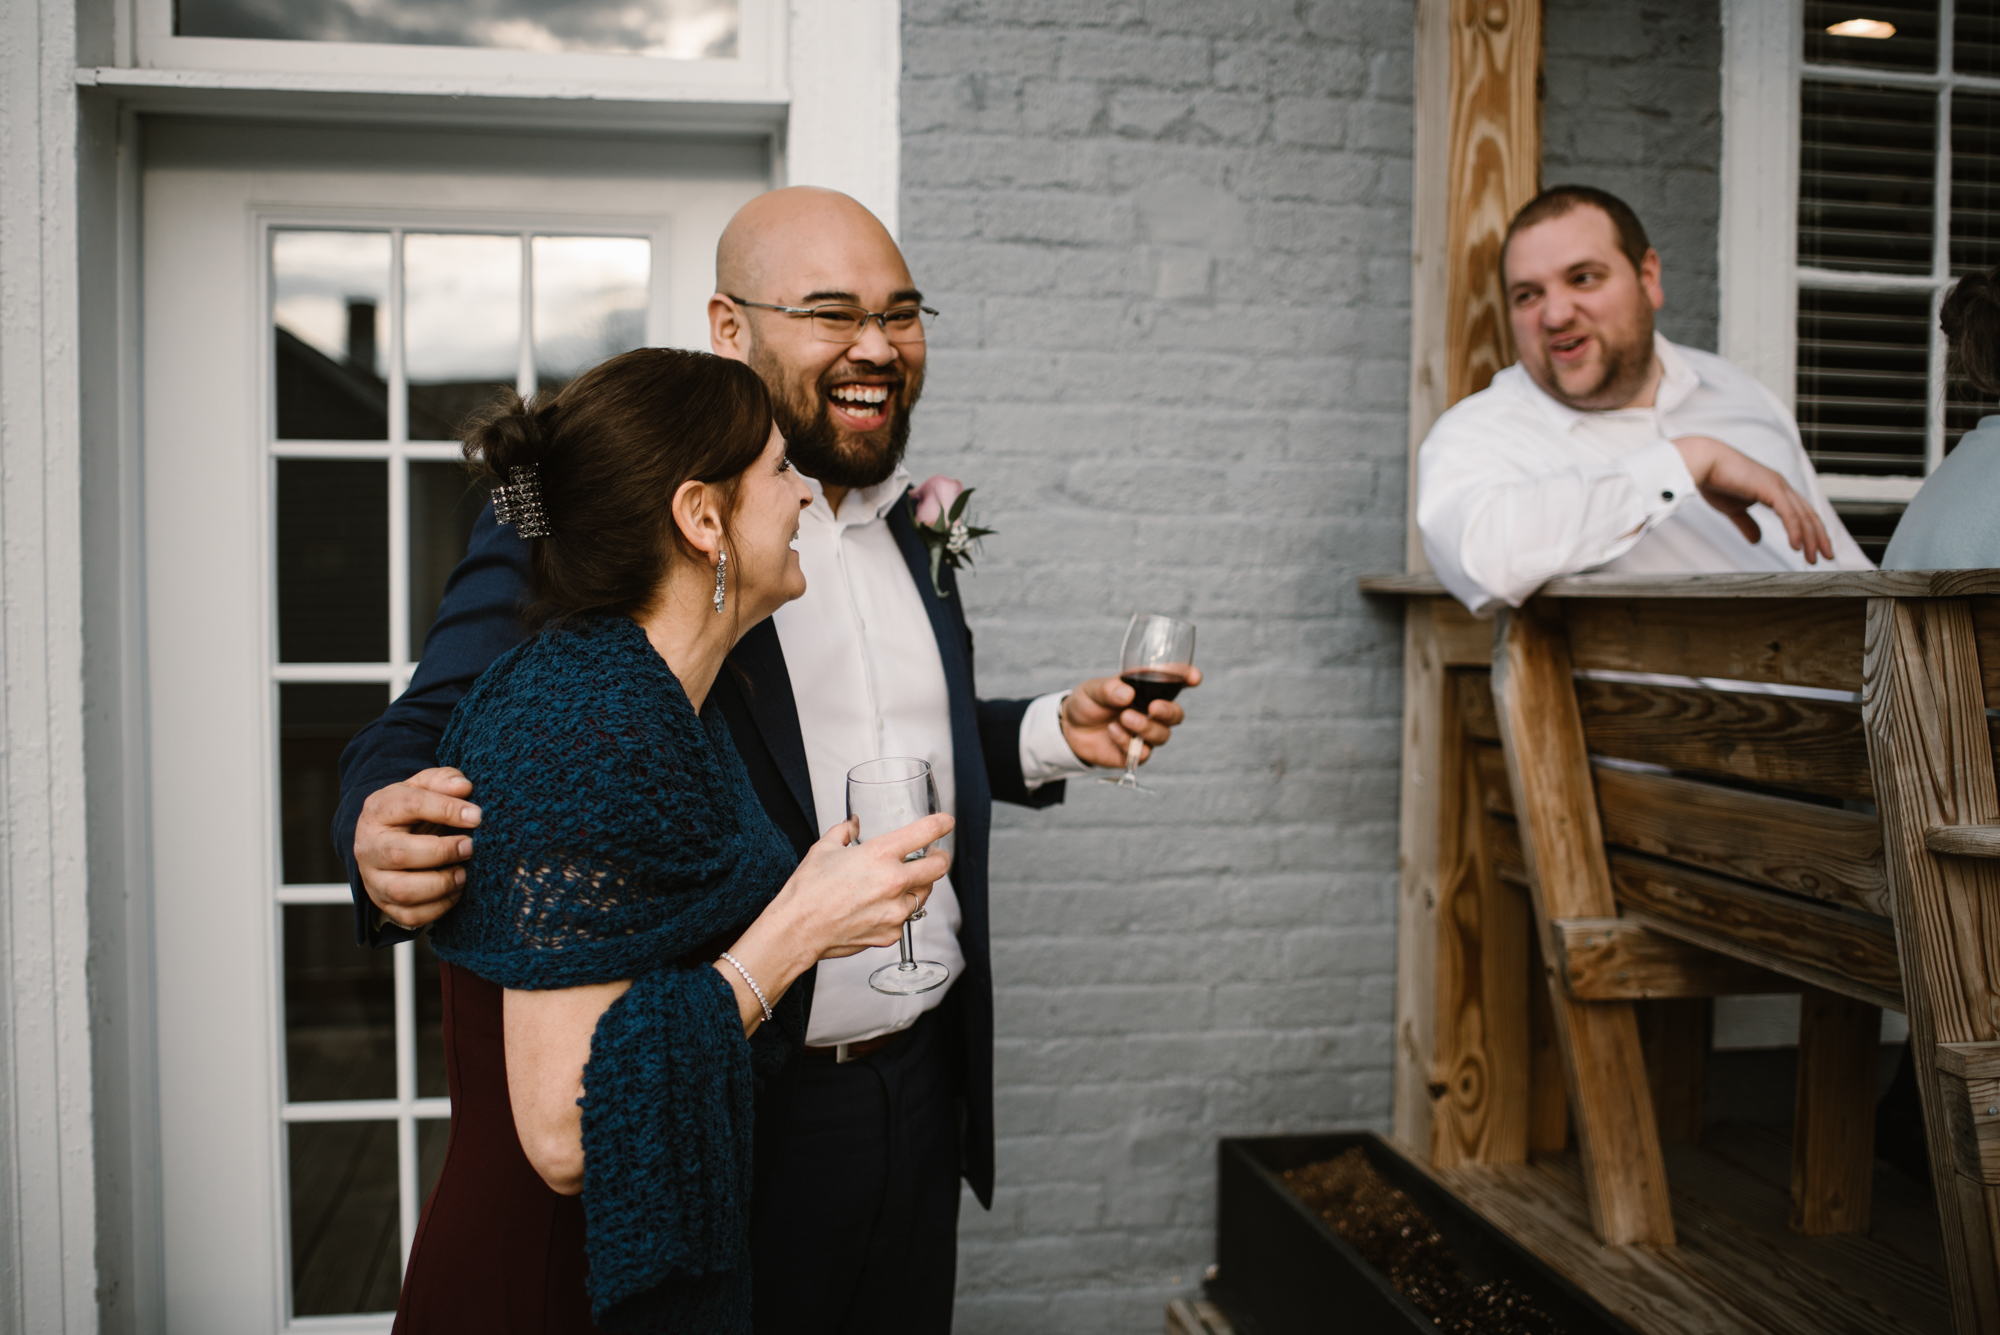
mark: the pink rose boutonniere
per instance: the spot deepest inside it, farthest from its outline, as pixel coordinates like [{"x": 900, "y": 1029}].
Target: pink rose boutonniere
[{"x": 939, "y": 509}]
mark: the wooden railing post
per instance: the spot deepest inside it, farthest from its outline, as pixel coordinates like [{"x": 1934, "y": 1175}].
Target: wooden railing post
[
  {"x": 1924, "y": 705},
  {"x": 1548, "y": 769},
  {"x": 1833, "y": 1117}
]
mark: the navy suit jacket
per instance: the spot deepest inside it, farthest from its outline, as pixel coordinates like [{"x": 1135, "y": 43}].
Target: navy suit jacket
[{"x": 480, "y": 619}]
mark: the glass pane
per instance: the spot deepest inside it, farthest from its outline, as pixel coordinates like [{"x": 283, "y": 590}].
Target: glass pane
[
  {"x": 1866, "y": 163},
  {"x": 333, "y": 561},
  {"x": 444, "y": 502},
  {"x": 1975, "y": 44},
  {"x": 1899, "y": 35},
  {"x": 330, "y": 295},
  {"x": 673, "y": 29},
  {"x": 430, "y": 1024},
  {"x": 346, "y": 1236},
  {"x": 315, "y": 723},
  {"x": 1975, "y": 182},
  {"x": 590, "y": 302},
  {"x": 1864, "y": 362},
  {"x": 461, "y": 326},
  {"x": 340, "y": 1009}
]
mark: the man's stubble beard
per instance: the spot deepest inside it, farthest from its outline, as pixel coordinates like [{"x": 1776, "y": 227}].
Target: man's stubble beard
[
  {"x": 1625, "y": 369},
  {"x": 813, "y": 442}
]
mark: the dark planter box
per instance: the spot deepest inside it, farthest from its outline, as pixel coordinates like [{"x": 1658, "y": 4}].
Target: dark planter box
[{"x": 1284, "y": 1271}]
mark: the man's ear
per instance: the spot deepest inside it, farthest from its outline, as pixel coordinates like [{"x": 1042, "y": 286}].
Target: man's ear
[
  {"x": 697, "y": 514},
  {"x": 1649, "y": 278},
  {"x": 728, "y": 332}
]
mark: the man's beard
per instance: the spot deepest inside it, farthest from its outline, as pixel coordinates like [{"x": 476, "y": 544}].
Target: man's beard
[
  {"x": 821, "y": 450},
  {"x": 1624, "y": 371}
]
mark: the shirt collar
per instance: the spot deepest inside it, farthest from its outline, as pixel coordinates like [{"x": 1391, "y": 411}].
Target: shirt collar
[
  {"x": 863, "y": 505},
  {"x": 1677, "y": 381}
]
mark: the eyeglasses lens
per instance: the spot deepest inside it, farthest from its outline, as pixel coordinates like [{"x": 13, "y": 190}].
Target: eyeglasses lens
[{"x": 845, "y": 324}]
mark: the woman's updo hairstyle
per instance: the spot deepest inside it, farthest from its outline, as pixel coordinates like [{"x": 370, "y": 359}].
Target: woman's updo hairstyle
[
  {"x": 1970, "y": 318},
  {"x": 609, "y": 450}
]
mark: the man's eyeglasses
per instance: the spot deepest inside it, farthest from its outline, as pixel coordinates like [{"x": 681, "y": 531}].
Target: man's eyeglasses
[{"x": 846, "y": 324}]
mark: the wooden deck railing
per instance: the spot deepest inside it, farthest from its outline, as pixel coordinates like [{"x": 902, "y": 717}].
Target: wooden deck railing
[{"x": 1707, "y": 785}]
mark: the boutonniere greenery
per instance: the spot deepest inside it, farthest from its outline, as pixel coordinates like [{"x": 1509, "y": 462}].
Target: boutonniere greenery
[{"x": 939, "y": 508}]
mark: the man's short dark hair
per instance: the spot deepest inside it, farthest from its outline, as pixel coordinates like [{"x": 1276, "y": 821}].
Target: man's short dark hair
[{"x": 1557, "y": 200}]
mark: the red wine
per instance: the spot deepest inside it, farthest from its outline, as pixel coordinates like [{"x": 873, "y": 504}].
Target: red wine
[{"x": 1152, "y": 685}]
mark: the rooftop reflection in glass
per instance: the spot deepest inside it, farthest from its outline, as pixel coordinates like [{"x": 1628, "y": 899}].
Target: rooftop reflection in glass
[{"x": 668, "y": 29}]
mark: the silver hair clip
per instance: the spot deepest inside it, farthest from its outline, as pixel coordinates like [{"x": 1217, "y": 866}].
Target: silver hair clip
[{"x": 520, "y": 503}]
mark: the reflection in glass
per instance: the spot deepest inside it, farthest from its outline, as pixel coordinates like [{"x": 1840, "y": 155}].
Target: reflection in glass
[
  {"x": 346, "y": 1237},
  {"x": 1911, "y": 45},
  {"x": 316, "y": 720},
  {"x": 330, "y": 303},
  {"x": 590, "y": 302},
  {"x": 340, "y": 1009},
  {"x": 444, "y": 502},
  {"x": 672, "y": 29},
  {"x": 431, "y": 1082},
  {"x": 1866, "y": 190},
  {"x": 461, "y": 326},
  {"x": 333, "y": 561}
]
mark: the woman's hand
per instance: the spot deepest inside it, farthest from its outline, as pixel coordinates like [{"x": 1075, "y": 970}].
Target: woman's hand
[{"x": 845, "y": 897}]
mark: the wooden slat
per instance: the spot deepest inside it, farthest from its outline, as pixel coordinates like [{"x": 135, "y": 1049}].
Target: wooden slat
[
  {"x": 1464, "y": 641},
  {"x": 1986, "y": 633},
  {"x": 1548, "y": 1100},
  {"x": 1972, "y": 1111},
  {"x": 1848, "y": 953},
  {"x": 1794, "y": 641},
  {"x": 1675, "y": 1033},
  {"x": 1474, "y": 691},
  {"x": 1929, "y": 740},
  {"x": 1197, "y": 1318},
  {"x": 1790, "y": 584},
  {"x": 1970, "y": 1061},
  {"x": 1814, "y": 746},
  {"x": 1481, "y": 1059},
  {"x": 1833, "y": 1118},
  {"x": 1430, "y": 258},
  {"x": 1966, "y": 841},
  {"x": 1429, "y": 841},
  {"x": 1803, "y": 847},
  {"x": 1620, "y": 959},
  {"x": 1549, "y": 771}
]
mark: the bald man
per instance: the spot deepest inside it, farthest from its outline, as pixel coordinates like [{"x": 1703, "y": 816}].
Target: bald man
[{"x": 863, "y": 1137}]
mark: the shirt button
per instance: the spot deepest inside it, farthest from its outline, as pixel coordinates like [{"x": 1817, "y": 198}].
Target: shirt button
[{"x": 1666, "y": 495}]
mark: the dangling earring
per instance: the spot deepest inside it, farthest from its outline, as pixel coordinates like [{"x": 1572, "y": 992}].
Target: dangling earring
[{"x": 721, "y": 576}]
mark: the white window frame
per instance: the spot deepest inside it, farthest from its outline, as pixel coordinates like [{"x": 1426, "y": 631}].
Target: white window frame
[
  {"x": 1757, "y": 243},
  {"x": 756, "y": 72}
]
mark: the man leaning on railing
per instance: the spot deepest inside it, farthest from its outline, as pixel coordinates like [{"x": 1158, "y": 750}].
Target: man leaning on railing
[{"x": 1606, "y": 446}]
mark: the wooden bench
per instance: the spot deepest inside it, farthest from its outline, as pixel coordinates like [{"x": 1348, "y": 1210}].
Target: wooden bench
[{"x": 1705, "y": 786}]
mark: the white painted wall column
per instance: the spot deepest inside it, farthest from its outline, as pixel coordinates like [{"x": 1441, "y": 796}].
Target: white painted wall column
[
  {"x": 1757, "y": 238},
  {"x": 845, "y": 69},
  {"x": 47, "y": 1188}
]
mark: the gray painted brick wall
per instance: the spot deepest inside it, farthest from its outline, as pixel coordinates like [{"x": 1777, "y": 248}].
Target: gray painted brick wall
[
  {"x": 1170, "y": 239},
  {"x": 1634, "y": 105}
]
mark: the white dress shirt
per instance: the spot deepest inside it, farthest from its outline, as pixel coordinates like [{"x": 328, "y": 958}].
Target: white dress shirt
[
  {"x": 1514, "y": 488},
  {"x": 869, "y": 682}
]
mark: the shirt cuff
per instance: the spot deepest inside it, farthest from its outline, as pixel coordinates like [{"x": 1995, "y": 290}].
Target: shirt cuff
[
  {"x": 1662, "y": 477},
  {"x": 1045, "y": 753}
]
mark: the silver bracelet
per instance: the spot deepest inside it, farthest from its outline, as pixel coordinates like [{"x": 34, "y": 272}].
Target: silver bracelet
[{"x": 737, "y": 965}]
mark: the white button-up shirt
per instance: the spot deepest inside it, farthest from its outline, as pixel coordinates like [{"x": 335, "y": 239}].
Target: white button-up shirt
[
  {"x": 869, "y": 682},
  {"x": 1514, "y": 488}
]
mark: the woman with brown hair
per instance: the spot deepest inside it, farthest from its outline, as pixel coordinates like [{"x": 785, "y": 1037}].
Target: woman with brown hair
[
  {"x": 1953, "y": 523},
  {"x": 616, "y": 977}
]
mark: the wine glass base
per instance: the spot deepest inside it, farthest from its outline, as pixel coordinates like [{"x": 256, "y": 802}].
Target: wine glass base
[
  {"x": 907, "y": 980},
  {"x": 1128, "y": 782}
]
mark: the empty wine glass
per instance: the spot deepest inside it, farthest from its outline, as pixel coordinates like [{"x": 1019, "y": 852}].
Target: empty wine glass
[
  {"x": 1156, "y": 661},
  {"x": 885, "y": 795}
]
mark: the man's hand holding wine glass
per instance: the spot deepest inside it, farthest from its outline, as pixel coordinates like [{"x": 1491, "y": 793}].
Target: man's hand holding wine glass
[{"x": 1102, "y": 716}]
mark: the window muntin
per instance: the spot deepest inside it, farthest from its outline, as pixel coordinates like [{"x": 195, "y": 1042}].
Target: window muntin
[{"x": 381, "y": 337}]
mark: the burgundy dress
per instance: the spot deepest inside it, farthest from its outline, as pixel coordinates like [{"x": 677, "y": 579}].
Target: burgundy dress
[{"x": 497, "y": 1252}]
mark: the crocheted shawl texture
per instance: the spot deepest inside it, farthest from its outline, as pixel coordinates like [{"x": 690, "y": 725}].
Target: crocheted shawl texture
[{"x": 621, "y": 839}]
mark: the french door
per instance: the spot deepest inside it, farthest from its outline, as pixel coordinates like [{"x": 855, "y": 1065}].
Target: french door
[{"x": 321, "y": 308}]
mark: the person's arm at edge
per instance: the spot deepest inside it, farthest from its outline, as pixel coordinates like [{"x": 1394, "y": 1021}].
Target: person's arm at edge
[{"x": 478, "y": 620}]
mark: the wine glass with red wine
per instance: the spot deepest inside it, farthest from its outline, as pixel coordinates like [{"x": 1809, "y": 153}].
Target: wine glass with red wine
[{"x": 1155, "y": 663}]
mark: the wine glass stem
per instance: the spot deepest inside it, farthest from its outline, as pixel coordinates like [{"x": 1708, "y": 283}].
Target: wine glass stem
[
  {"x": 909, "y": 953},
  {"x": 1132, "y": 762}
]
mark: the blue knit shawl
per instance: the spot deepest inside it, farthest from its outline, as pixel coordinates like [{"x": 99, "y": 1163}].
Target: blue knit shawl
[{"x": 621, "y": 839}]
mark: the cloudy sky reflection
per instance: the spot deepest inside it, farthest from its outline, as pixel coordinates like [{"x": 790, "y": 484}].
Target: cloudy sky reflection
[{"x": 670, "y": 29}]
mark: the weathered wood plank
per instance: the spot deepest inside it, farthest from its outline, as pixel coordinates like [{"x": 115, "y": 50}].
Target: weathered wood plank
[
  {"x": 1429, "y": 836},
  {"x": 1814, "y": 746},
  {"x": 1620, "y": 959},
  {"x": 1808, "y": 849},
  {"x": 1464, "y": 640},
  {"x": 1797, "y": 642},
  {"x": 1986, "y": 633},
  {"x": 1970, "y": 1061},
  {"x": 1430, "y": 249},
  {"x": 1491, "y": 763},
  {"x": 1548, "y": 1098},
  {"x": 1833, "y": 1117},
  {"x": 1929, "y": 741},
  {"x": 1675, "y": 1034},
  {"x": 1965, "y": 841},
  {"x": 1792, "y": 584},
  {"x": 1972, "y": 1111},
  {"x": 1475, "y": 706},
  {"x": 1848, "y": 953},
  {"x": 1549, "y": 772}
]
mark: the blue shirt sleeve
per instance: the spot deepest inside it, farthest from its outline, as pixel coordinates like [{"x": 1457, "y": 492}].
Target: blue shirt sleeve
[{"x": 479, "y": 620}]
